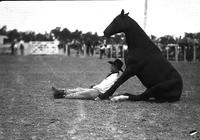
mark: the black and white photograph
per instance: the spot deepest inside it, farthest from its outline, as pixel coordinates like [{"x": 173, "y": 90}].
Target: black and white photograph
[{"x": 100, "y": 70}]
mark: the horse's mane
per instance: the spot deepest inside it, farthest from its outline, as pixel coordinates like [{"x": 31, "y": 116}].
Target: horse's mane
[
  {"x": 134, "y": 24},
  {"x": 138, "y": 33}
]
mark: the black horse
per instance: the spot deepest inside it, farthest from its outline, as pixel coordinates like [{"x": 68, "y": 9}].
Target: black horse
[{"x": 144, "y": 59}]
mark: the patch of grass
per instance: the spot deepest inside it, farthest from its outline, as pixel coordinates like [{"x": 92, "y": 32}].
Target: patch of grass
[{"x": 28, "y": 110}]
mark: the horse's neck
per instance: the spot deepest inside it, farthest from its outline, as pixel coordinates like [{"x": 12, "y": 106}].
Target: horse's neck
[{"x": 136, "y": 37}]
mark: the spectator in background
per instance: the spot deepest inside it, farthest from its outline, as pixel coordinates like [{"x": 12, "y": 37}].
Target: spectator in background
[
  {"x": 64, "y": 48},
  {"x": 21, "y": 47},
  {"x": 12, "y": 47},
  {"x": 92, "y": 50},
  {"x": 189, "y": 54},
  {"x": 125, "y": 49},
  {"x": 60, "y": 47},
  {"x": 121, "y": 51},
  {"x": 102, "y": 50},
  {"x": 88, "y": 48},
  {"x": 68, "y": 48},
  {"x": 109, "y": 47}
]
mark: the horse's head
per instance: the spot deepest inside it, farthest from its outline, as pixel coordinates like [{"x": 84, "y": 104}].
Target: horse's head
[{"x": 117, "y": 25}]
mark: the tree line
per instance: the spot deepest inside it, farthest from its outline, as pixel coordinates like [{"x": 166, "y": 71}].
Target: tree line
[{"x": 65, "y": 35}]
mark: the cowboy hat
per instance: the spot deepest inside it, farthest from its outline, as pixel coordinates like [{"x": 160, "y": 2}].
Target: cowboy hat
[{"x": 118, "y": 63}]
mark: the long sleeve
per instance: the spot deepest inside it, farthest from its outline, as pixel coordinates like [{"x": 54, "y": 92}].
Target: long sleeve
[{"x": 107, "y": 83}]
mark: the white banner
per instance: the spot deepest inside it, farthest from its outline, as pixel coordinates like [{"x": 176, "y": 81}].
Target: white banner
[{"x": 44, "y": 47}]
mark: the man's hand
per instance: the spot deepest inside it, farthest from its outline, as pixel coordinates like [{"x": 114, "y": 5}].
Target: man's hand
[
  {"x": 97, "y": 99},
  {"x": 92, "y": 85}
]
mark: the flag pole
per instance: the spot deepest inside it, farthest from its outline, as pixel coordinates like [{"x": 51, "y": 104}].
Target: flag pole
[{"x": 145, "y": 13}]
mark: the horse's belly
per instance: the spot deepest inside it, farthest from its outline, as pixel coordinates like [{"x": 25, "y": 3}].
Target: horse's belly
[{"x": 147, "y": 79}]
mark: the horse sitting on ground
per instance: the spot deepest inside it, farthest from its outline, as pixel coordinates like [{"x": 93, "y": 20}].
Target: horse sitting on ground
[{"x": 144, "y": 60}]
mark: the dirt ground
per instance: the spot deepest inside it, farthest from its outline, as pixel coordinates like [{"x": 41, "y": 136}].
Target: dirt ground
[{"x": 29, "y": 112}]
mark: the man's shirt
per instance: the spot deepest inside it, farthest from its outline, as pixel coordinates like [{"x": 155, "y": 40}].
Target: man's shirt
[{"x": 107, "y": 82}]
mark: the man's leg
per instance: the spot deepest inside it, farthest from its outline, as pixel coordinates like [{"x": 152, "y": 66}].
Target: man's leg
[
  {"x": 61, "y": 92},
  {"x": 78, "y": 89},
  {"x": 88, "y": 94}
]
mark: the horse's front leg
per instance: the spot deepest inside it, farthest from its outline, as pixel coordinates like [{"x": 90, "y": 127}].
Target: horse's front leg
[{"x": 124, "y": 77}]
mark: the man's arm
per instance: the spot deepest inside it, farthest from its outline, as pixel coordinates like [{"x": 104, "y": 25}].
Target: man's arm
[
  {"x": 130, "y": 71},
  {"x": 125, "y": 76}
]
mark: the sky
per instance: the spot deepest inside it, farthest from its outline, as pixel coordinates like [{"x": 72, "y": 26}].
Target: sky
[{"x": 164, "y": 17}]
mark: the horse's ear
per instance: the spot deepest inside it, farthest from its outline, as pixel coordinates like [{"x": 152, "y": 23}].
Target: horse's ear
[
  {"x": 127, "y": 14},
  {"x": 122, "y": 12}
]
